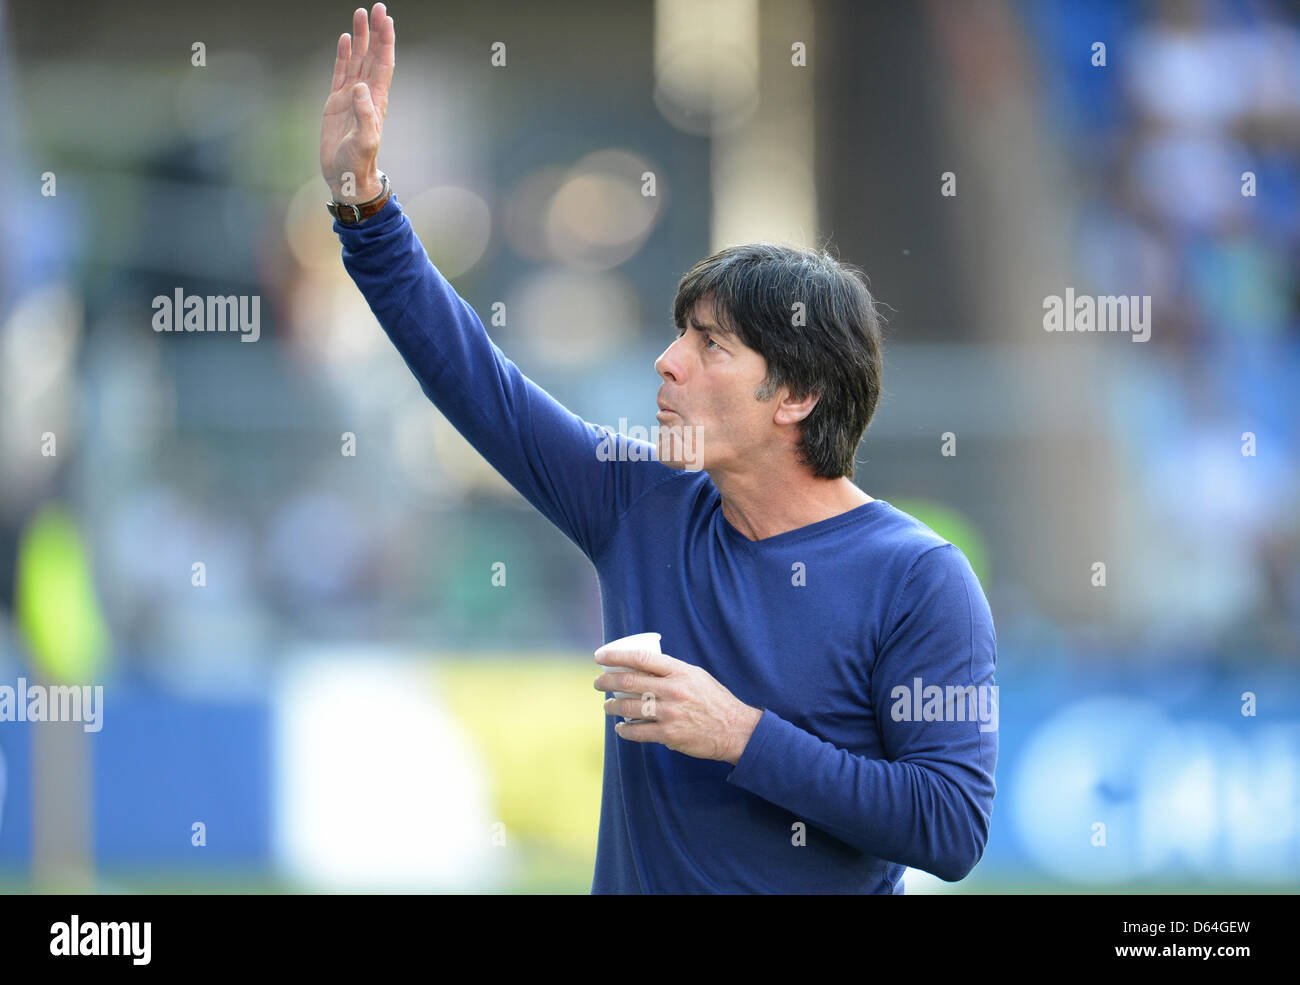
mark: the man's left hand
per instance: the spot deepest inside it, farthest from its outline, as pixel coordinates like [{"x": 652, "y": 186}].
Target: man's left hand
[{"x": 693, "y": 714}]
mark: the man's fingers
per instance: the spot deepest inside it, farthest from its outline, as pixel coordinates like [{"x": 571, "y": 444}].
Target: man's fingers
[
  {"x": 360, "y": 42},
  {"x": 657, "y": 664},
  {"x": 638, "y": 731},
  {"x": 380, "y": 58},
  {"x": 378, "y": 17},
  {"x": 626, "y": 707},
  {"x": 632, "y": 683},
  {"x": 341, "y": 62},
  {"x": 382, "y": 52}
]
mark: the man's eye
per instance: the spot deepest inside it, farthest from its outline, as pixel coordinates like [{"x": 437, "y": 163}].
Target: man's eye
[{"x": 708, "y": 339}]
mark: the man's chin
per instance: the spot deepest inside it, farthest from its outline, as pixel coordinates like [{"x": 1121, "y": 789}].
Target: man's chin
[{"x": 679, "y": 447}]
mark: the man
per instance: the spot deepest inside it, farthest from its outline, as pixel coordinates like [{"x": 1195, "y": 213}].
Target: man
[{"x": 788, "y": 747}]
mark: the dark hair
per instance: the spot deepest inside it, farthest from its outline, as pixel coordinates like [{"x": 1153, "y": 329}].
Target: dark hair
[{"x": 836, "y": 352}]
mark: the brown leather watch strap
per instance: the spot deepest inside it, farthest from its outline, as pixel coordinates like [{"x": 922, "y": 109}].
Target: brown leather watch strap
[{"x": 352, "y": 214}]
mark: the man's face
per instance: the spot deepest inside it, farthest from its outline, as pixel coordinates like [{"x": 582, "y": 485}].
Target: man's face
[{"x": 709, "y": 382}]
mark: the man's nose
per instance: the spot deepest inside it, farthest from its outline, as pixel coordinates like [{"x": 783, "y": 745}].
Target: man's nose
[{"x": 666, "y": 364}]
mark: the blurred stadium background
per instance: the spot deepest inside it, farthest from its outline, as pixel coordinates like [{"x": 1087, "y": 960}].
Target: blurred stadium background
[{"x": 349, "y": 702}]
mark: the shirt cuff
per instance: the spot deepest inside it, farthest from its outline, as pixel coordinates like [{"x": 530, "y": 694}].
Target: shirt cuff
[{"x": 750, "y": 764}]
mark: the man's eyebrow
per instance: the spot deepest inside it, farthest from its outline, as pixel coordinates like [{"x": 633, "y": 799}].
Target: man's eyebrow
[{"x": 715, "y": 329}]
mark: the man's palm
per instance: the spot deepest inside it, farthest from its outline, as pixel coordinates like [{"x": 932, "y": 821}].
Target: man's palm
[{"x": 351, "y": 127}]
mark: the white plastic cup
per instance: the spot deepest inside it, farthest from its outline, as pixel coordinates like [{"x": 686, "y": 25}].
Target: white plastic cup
[{"x": 638, "y": 643}]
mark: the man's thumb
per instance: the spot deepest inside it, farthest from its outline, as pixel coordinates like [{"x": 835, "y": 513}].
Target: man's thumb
[{"x": 363, "y": 109}]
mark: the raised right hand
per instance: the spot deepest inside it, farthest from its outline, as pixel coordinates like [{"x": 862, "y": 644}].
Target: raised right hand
[{"x": 353, "y": 121}]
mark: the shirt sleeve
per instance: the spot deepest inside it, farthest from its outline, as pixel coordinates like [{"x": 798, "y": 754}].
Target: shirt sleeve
[
  {"x": 928, "y": 802},
  {"x": 580, "y": 476}
]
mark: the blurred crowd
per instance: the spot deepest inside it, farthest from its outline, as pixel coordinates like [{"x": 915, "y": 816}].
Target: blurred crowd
[
  {"x": 174, "y": 451},
  {"x": 1187, "y": 150}
]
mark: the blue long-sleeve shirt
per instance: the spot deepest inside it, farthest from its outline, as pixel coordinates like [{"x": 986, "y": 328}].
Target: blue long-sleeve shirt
[{"x": 834, "y": 630}]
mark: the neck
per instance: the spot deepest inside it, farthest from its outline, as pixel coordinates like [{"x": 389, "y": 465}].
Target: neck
[{"x": 761, "y": 505}]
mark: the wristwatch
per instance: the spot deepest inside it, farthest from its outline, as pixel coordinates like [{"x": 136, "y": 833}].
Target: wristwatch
[{"x": 352, "y": 214}]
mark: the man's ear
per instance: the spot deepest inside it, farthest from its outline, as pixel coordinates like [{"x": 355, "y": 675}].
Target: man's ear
[{"x": 791, "y": 409}]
